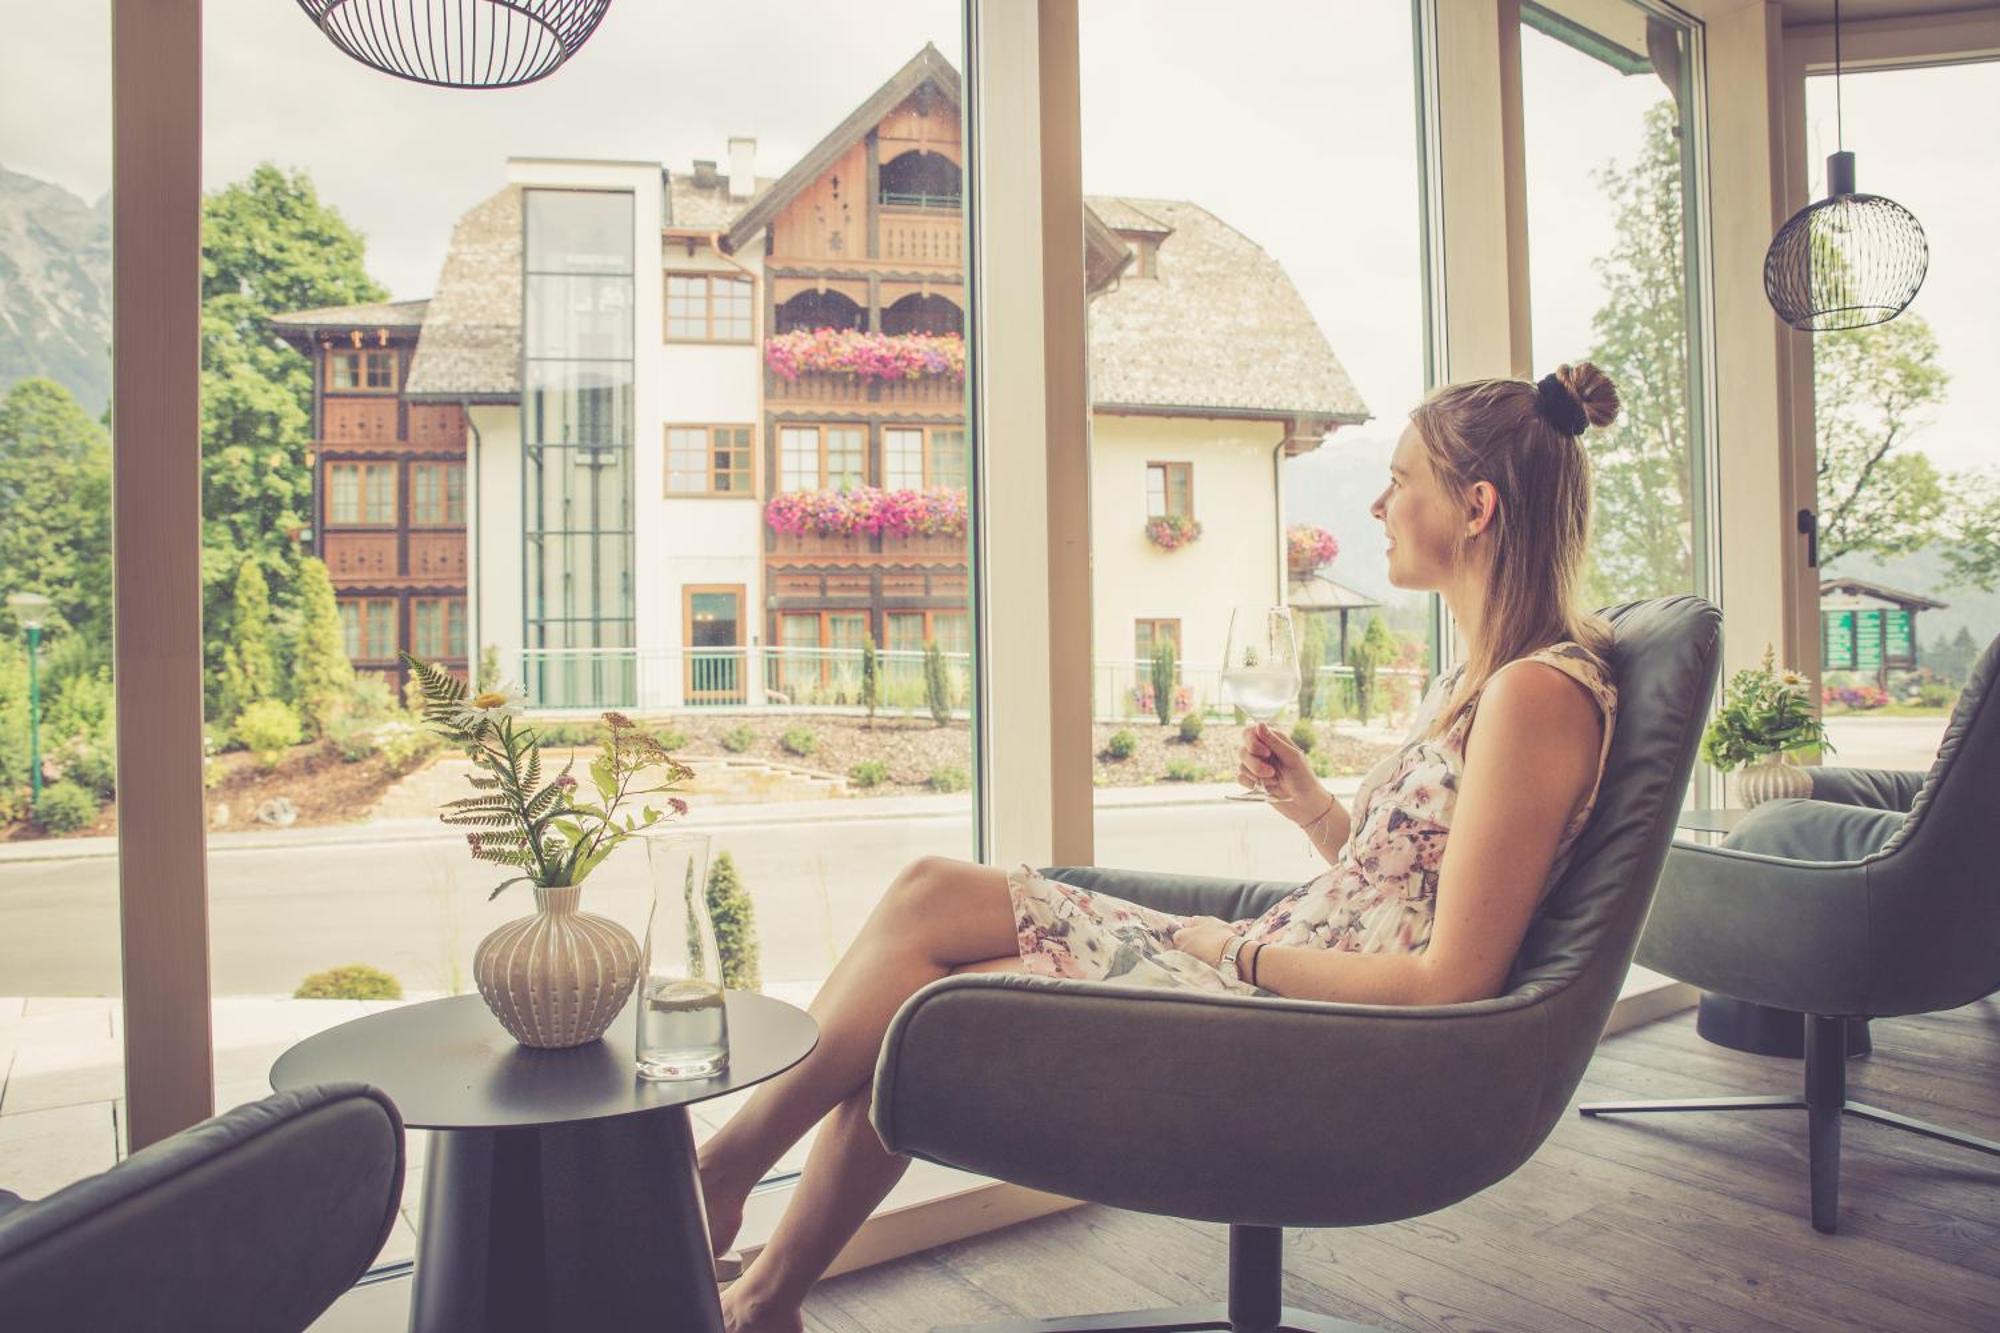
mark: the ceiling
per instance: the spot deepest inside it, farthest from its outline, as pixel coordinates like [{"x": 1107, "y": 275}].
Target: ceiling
[{"x": 1799, "y": 12}]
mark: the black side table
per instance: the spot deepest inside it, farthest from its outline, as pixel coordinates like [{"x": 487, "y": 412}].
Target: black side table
[
  {"x": 1757, "y": 1029},
  {"x": 560, "y": 1191}
]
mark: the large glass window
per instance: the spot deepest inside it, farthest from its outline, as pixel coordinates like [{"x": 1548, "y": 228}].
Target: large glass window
[
  {"x": 577, "y": 434},
  {"x": 1608, "y": 112},
  {"x": 1256, "y": 338},
  {"x": 1908, "y": 483}
]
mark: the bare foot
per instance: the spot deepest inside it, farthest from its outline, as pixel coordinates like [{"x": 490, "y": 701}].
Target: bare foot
[{"x": 740, "y": 1315}]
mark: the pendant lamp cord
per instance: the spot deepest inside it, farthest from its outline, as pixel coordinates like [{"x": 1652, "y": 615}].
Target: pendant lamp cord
[{"x": 1839, "y": 118}]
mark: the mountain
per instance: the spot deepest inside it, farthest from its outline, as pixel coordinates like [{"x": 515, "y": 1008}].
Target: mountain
[
  {"x": 55, "y": 288},
  {"x": 1332, "y": 487}
]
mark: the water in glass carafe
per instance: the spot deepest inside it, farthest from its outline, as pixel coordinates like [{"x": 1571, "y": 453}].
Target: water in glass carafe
[{"x": 682, "y": 1030}]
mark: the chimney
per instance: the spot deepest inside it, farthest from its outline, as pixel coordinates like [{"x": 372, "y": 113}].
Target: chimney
[
  {"x": 705, "y": 177},
  {"x": 742, "y": 168}
]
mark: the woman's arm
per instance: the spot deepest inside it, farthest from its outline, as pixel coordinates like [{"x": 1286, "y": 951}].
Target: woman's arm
[
  {"x": 1269, "y": 760},
  {"x": 1530, "y": 761}
]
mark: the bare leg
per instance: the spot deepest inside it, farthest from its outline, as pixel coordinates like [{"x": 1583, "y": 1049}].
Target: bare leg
[{"x": 937, "y": 915}]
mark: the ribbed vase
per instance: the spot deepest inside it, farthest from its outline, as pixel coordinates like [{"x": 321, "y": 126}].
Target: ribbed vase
[
  {"x": 559, "y": 977},
  {"x": 1773, "y": 779}
]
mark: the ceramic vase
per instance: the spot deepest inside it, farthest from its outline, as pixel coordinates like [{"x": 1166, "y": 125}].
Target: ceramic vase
[
  {"x": 1772, "y": 779},
  {"x": 559, "y": 977}
]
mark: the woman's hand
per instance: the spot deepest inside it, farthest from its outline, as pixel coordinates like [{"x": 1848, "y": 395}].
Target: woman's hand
[
  {"x": 1203, "y": 937},
  {"x": 1269, "y": 760}
]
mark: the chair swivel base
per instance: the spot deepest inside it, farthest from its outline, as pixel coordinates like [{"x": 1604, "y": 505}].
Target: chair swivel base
[
  {"x": 1826, "y": 1106},
  {"x": 1256, "y": 1283}
]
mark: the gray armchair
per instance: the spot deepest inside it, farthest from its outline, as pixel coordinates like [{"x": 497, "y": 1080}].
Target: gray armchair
[
  {"x": 1879, "y": 896},
  {"x": 1266, "y": 1112},
  {"x": 252, "y": 1222}
]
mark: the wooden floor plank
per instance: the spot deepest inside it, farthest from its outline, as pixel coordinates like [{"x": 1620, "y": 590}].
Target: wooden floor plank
[{"x": 1688, "y": 1223}]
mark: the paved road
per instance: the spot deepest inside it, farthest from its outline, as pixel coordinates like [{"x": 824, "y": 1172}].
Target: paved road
[{"x": 418, "y": 907}]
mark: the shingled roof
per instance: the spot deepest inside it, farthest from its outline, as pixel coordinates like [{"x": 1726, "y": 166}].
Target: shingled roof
[
  {"x": 693, "y": 206},
  {"x": 1220, "y": 328},
  {"x": 471, "y": 344},
  {"x": 375, "y": 315}
]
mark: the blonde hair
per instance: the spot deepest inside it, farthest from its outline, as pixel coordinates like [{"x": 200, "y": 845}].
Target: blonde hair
[{"x": 1526, "y": 441}]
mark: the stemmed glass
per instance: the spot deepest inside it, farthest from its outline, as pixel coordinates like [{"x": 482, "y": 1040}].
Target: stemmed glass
[{"x": 1260, "y": 668}]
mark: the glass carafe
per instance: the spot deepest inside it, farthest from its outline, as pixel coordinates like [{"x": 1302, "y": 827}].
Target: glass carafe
[{"x": 682, "y": 1030}]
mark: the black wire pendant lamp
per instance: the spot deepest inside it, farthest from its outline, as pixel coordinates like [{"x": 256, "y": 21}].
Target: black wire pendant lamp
[
  {"x": 459, "y": 43},
  {"x": 1851, "y": 259}
]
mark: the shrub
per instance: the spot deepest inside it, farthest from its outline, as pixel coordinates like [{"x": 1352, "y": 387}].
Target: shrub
[
  {"x": 1164, "y": 671},
  {"x": 738, "y": 739},
  {"x": 1936, "y": 695},
  {"x": 1305, "y": 735},
  {"x": 1122, "y": 745},
  {"x": 1322, "y": 765},
  {"x": 672, "y": 737},
  {"x": 868, "y": 773},
  {"x": 355, "y": 740},
  {"x": 65, "y": 807},
  {"x": 949, "y": 779},
  {"x": 356, "y": 981},
  {"x": 798, "y": 741},
  {"x": 369, "y": 698},
  {"x": 91, "y": 763},
  {"x": 267, "y": 729},
  {"x": 730, "y": 909},
  {"x": 937, "y": 686},
  {"x": 405, "y": 745},
  {"x": 489, "y": 668},
  {"x": 1190, "y": 728},
  {"x": 871, "y": 678},
  {"x": 1184, "y": 770},
  {"x": 320, "y": 671},
  {"x": 1312, "y": 652}
]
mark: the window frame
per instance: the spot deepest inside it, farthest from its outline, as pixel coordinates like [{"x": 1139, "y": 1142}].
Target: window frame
[
  {"x": 364, "y": 388},
  {"x": 751, "y": 487},
  {"x": 709, "y": 318},
  {"x": 1168, "y": 471},
  {"x": 1152, "y": 626},
  {"x": 927, "y": 454},
  {"x": 445, "y": 468},
  {"x": 364, "y": 606},
  {"x": 418, "y": 607},
  {"x": 822, "y": 428},
  {"x": 364, "y": 468}
]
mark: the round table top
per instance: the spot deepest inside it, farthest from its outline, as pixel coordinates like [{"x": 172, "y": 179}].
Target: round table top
[
  {"x": 1709, "y": 821},
  {"x": 448, "y": 1064}
]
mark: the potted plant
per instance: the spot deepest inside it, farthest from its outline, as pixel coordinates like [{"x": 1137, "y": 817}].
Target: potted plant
[
  {"x": 559, "y": 977},
  {"x": 1766, "y": 718},
  {"x": 1309, "y": 549},
  {"x": 1170, "y": 532}
]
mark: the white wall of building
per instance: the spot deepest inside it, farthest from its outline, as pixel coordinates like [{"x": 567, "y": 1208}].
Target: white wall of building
[{"x": 1235, "y": 560}]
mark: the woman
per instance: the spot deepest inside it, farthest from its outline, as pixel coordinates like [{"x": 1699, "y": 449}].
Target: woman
[{"x": 1434, "y": 874}]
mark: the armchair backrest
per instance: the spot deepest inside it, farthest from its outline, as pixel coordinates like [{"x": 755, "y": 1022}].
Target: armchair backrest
[
  {"x": 1574, "y": 959},
  {"x": 1934, "y": 931},
  {"x": 252, "y": 1222}
]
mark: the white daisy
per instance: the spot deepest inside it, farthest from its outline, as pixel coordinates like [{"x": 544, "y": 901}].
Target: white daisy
[{"x": 491, "y": 706}]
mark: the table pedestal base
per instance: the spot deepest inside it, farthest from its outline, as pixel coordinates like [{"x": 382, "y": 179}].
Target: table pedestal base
[{"x": 593, "y": 1224}]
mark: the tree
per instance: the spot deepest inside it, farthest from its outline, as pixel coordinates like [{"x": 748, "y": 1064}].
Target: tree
[
  {"x": 1972, "y": 552},
  {"x": 55, "y": 505},
  {"x": 269, "y": 246},
  {"x": 1874, "y": 386},
  {"x": 871, "y": 677},
  {"x": 1312, "y": 652},
  {"x": 735, "y": 921},
  {"x": 1375, "y": 649},
  {"x": 937, "y": 684},
  {"x": 1164, "y": 671},
  {"x": 251, "y": 671},
  {"x": 321, "y": 672},
  {"x": 1952, "y": 658}
]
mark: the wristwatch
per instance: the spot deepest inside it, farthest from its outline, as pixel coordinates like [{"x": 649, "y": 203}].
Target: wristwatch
[{"x": 1227, "y": 963}]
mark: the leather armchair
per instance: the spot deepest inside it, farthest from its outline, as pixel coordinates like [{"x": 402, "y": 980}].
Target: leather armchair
[
  {"x": 1269, "y": 1112},
  {"x": 1876, "y": 897},
  {"x": 252, "y": 1222}
]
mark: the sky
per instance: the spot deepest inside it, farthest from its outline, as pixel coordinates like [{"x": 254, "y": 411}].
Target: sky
[{"x": 1292, "y": 121}]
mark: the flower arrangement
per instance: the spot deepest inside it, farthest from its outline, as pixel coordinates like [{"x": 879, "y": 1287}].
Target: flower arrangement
[
  {"x": 1142, "y": 699},
  {"x": 868, "y": 511},
  {"x": 1309, "y": 547},
  {"x": 518, "y": 820},
  {"x": 867, "y": 356},
  {"x": 1170, "y": 532},
  {"x": 1764, "y": 713},
  {"x": 1857, "y": 697}
]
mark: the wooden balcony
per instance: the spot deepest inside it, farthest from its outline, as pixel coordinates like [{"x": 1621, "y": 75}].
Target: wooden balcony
[
  {"x": 809, "y": 549},
  {"x": 376, "y": 424},
  {"x": 922, "y": 238},
  {"x": 851, "y": 395}
]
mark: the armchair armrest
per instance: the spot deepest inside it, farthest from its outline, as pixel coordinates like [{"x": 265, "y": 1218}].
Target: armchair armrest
[
  {"x": 1173, "y": 1101},
  {"x": 1876, "y": 788},
  {"x": 1770, "y": 929}
]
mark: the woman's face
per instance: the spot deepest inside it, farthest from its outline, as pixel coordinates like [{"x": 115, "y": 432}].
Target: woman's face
[{"x": 1423, "y": 524}]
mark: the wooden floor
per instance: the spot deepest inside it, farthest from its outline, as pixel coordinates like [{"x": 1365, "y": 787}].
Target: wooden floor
[{"x": 1667, "y": 1223}]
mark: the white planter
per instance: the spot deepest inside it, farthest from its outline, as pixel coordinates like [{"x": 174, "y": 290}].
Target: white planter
[
  {"x": 559, "y": 977},
  {"x": 1773, "y": 779}
]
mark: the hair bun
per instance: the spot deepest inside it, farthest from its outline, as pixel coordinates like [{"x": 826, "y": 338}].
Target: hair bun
[{"x": 1592, "y": 391}]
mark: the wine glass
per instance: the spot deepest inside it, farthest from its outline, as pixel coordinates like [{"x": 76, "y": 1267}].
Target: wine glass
[{"x": 1260, "y": 668}]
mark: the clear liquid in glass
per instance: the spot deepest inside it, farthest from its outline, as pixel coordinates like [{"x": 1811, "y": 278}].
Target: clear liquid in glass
[
  {"x": 1263, "y": 693},
  {"x": 683, "y": 1029}
]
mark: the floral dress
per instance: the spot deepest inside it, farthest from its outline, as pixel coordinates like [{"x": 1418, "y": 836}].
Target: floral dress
[{"x": 1379, "y": 896}]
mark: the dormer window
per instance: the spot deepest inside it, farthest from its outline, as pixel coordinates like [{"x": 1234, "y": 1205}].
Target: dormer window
[
  {"x": 918, "y": 179},
  {"x": 1145, "y": 256}
]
